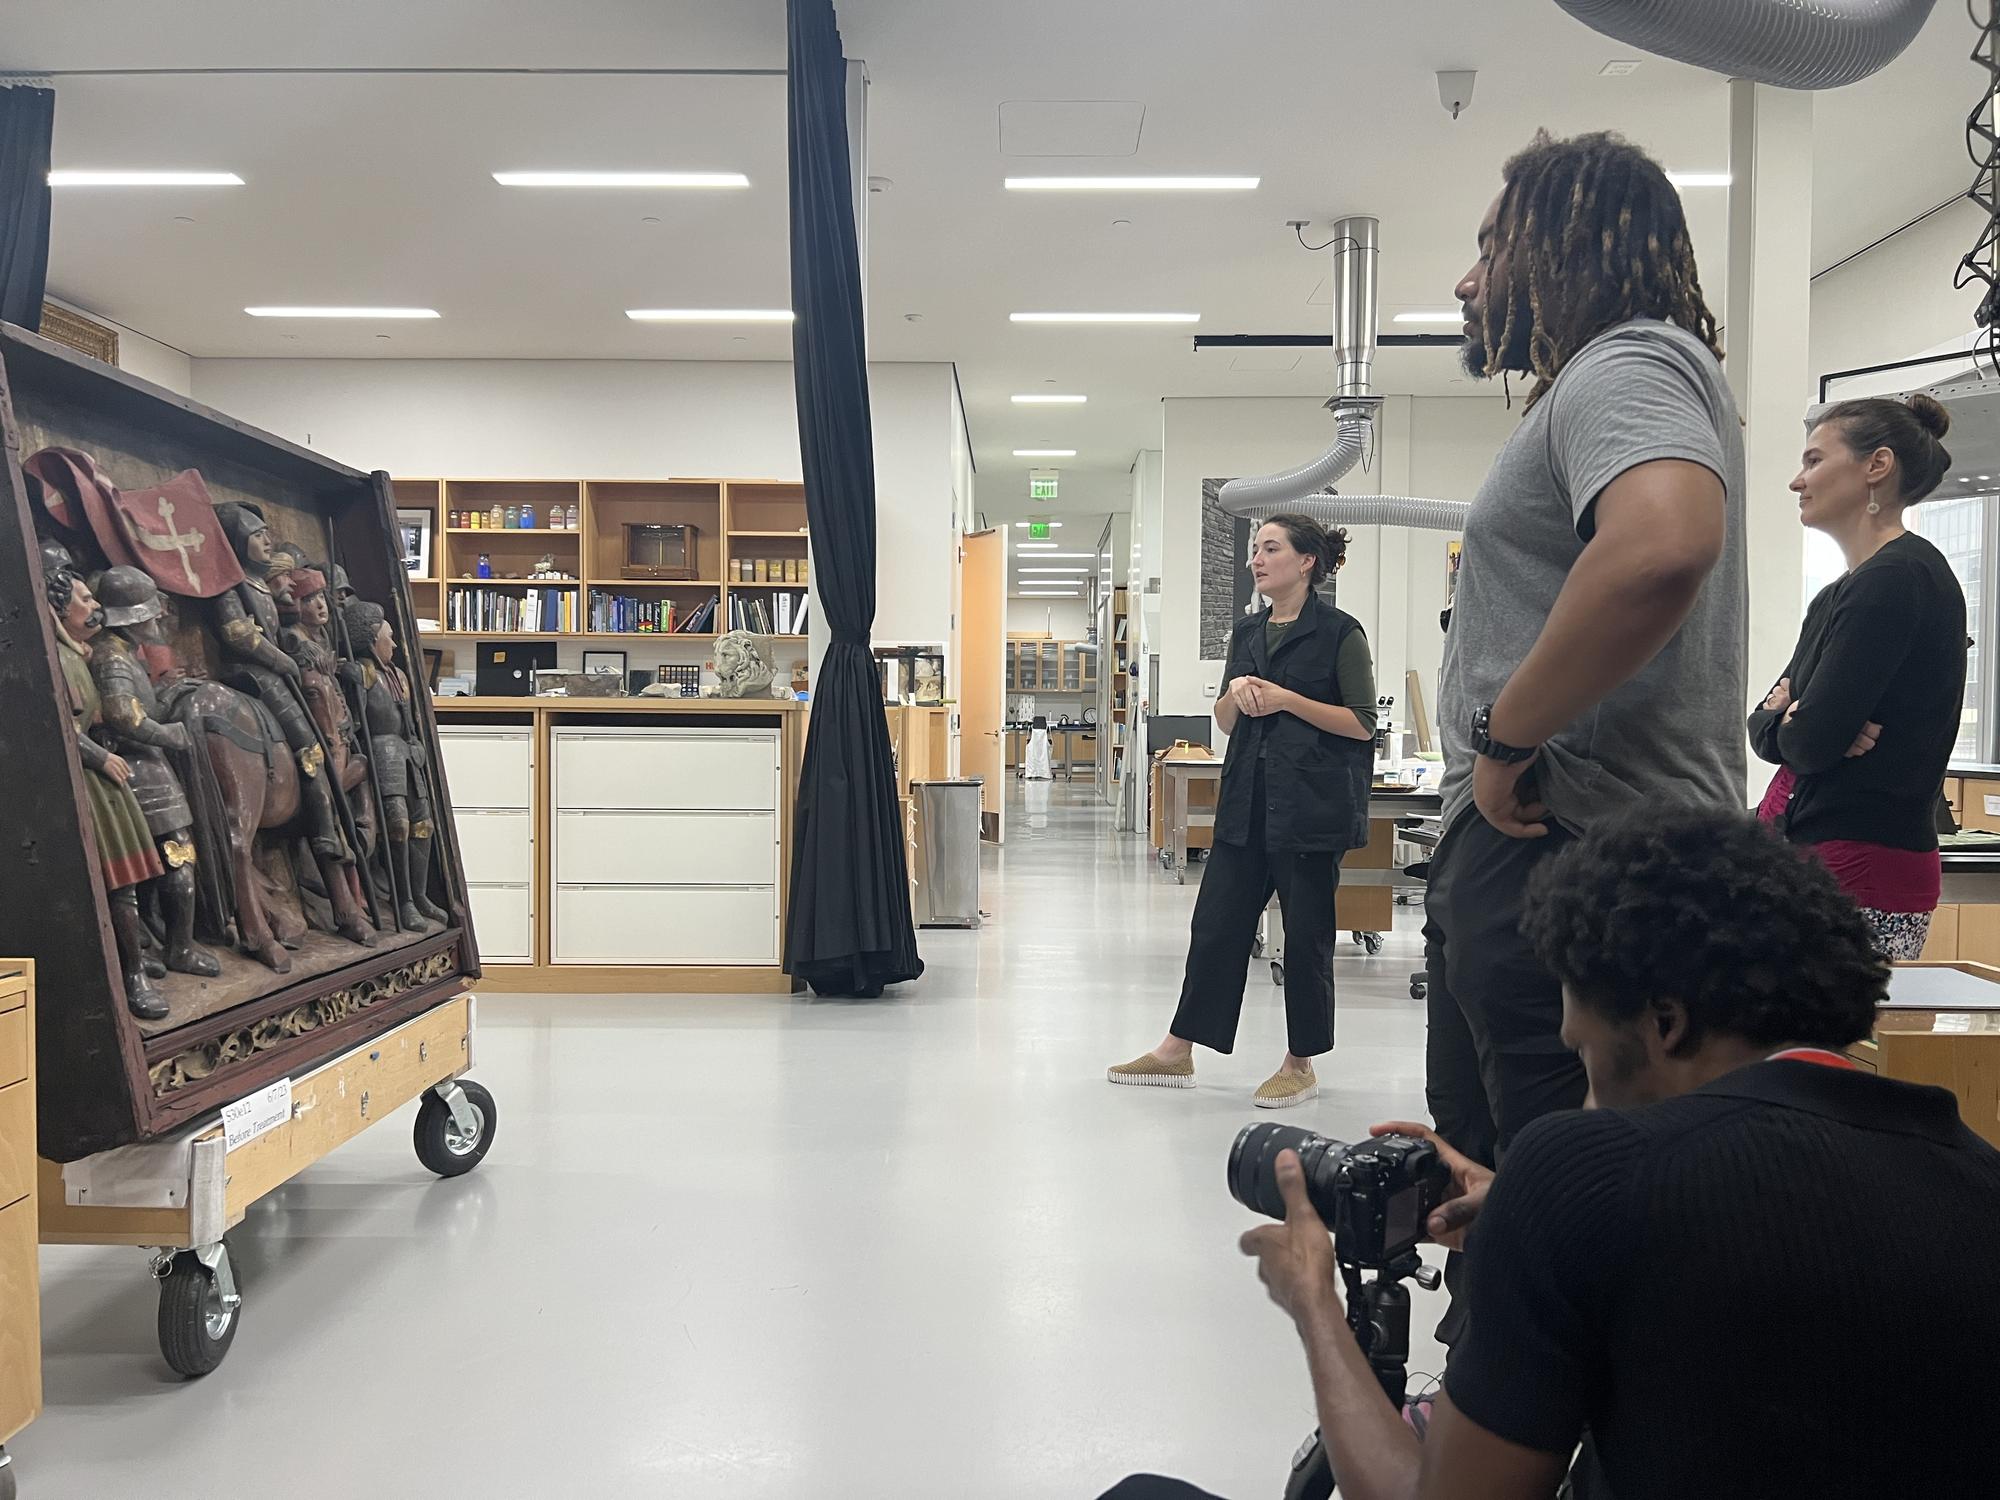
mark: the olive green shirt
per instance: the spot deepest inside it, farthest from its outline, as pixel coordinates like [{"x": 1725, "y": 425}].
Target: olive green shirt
[{"x": 1355, "y": 664}]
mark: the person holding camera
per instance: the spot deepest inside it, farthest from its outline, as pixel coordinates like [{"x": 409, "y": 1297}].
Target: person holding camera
[
  {"x": 1298, "y": 704},
  {"x": 1754, "y": 1269}
]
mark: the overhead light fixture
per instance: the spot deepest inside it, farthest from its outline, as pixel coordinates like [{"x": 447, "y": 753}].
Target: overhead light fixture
[
  {"x": 1084, "y": 556},
  {"x": 1061, "y": 572},
  {"x": 1699, "y": 179},
  {"x": 1048, "y": 547},
  {"x": 1132, "y": 184},
  {"x": 709, "y": 314},
  {"x": 1440, "y": 316},
  {"x": 1045, "y": 453},
  {"x": 68, "y": 179},
  {"x": 342, "y": 312},
  {"x": 1104, "y": 317},
  {"x": 1024, "y": 525},
  {"x": 622, "y": 179},
  {"x": 1049, "y": 400}
]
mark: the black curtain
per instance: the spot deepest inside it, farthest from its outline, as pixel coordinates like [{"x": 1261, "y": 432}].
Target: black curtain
[
  {"x": 27, "y": 125},
  {"x": 849, "y": 930}
]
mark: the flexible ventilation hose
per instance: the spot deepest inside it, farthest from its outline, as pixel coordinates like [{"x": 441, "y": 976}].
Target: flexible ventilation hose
[
  {"x": 1794, "y": 44},
  {"x": 1386, "y": 510},
  {"x": 1271, "y": 493}
]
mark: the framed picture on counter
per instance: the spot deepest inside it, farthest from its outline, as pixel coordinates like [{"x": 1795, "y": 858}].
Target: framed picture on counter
[{"x": 605, "y": 663}]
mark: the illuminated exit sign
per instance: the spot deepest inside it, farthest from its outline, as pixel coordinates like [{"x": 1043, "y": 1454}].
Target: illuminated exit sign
[
  {"x": 1041, "y": 489},
  {"x": 1038, "y": 531}
]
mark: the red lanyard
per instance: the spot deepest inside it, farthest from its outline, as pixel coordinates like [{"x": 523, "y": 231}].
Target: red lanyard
[{"x": 1819, "y": 1056}]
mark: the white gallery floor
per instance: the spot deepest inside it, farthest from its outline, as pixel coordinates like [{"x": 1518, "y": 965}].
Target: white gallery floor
[{"x": 774, "y": 1247}]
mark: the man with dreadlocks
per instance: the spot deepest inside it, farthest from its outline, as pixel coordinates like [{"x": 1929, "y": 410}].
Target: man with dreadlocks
[{"x": 1596, "y": 655}]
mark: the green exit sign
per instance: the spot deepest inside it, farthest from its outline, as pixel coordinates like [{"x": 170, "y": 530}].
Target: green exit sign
[
  {"x": 1041, "y": 489},
  {"x": 1038, "y": 531}
]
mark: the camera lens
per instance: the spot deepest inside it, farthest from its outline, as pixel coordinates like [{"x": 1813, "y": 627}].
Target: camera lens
[{"x": 1253, "y": 1168}]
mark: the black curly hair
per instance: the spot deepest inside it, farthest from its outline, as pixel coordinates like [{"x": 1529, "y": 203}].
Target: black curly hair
[{"x": 1716, "y": 911}]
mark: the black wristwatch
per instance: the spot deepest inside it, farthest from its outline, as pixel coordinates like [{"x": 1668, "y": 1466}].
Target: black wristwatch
[{"x": 1484, "y": 744}]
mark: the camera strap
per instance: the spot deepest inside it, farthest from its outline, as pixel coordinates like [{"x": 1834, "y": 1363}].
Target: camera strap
[{"x": 1816, "y": 1055}]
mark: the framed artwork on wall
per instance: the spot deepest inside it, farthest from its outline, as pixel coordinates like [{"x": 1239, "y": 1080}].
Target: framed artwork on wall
[{"x": 413, "y": 529}]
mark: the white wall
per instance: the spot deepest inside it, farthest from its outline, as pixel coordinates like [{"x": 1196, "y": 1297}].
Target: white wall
[
  {"x": 1897, "y": 300},
  {"x": 1064, "y": 619},
  {"x": 1394, "y": 580},
  {"x": 149, "y": 359},
  {"x": 623, "y": 419}
]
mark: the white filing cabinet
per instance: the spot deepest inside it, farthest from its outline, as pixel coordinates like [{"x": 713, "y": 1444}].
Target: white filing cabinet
[
  {"x": 666, "y": 845},
  {"x": 491, "y": 771}
]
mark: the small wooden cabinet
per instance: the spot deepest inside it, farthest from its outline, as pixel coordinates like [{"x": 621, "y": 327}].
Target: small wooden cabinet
[{"x": 20, "y": 1293}]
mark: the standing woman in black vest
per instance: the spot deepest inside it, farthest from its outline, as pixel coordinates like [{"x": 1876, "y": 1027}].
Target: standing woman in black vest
[{"x": 1298, "y": 704}]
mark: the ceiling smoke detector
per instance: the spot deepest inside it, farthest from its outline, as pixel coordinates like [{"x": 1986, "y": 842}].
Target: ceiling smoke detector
[{"x": 1455, "y": 90}]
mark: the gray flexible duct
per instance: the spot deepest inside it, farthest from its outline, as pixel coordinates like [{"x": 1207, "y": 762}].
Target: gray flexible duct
[
  {"x": 1795, "y": 44},
  {"x": 1271, "y": 493},
  {"x": 1384, "y": 510}
]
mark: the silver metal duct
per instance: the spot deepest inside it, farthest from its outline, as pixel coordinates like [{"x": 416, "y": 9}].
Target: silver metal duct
[
  {"x": 1794, "y": 44},
  {"x": 1385, "y": 510},
  {"x": 1356, "y": 253}
]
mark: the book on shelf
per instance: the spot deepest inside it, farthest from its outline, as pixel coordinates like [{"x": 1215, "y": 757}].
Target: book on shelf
[
  {"x": 482, "y": 609},
  {"x": 626, "y": 614}
]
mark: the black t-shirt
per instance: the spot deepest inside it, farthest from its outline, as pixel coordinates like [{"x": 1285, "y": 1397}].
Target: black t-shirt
[{"x": 1784, "y": 1284}]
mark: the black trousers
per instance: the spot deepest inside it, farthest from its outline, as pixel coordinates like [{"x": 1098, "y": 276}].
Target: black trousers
[
  {"x": 1153, "y": 1487},
  {"x": 1235, "y": 889}
]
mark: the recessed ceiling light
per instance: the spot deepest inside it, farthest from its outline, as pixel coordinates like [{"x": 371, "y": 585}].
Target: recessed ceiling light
[
  {"x": 1619, "y": 67},
  {"x": 622, "y": 179},
  {"x": 1131, "y": 184},
  {"x": 1440, "y": 316},
  {"x": 1698, "y": 179},
  {"x": 1045, "y": 453},
  {"x": 1024, "y": 525},
  {"x": 70, "y": 178},
  {"x": 1043, "y": 547},
  {"x": 1086, "y": 556},
  {"x": 1049, "y": 400},
  {"x": 1104, "y": 317},
  {"x": 1065, "y": 572},
  {"x": 342, "y": 312},
  {"x": 709, "y": 314}
]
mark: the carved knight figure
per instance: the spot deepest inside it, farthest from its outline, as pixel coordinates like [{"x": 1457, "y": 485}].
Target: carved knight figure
[
  {"x": 246, "y": 623},
  {"x": 125, "y": 848},
  {"x": 402, "y": 766},
  {"x": 135, "y": 729}
]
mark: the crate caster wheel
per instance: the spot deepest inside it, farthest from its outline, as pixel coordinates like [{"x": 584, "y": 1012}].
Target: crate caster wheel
[
  {"x": 1257, "y": 947},
  {"x": 1419, "y": 990},
  {"x": 1166, "y": 859},
  {"x": 6, "y": 1475},
  {"x": 455, "y": 1126},
  {"x": 1371, "y": 942},
  {"x": 1277, "y": 971},
  {"x": 199, "y": 1308}
]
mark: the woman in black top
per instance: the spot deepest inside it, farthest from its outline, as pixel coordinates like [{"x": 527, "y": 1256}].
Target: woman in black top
[
  {"x": 1298, "y": 704},
  {"x": 1862, "y": 723}
]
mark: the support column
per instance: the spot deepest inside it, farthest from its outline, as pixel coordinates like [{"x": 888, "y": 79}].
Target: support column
[{"x": 1767, "y": 335}]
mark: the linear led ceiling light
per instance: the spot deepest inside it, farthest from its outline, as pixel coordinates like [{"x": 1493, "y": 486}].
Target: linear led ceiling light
[
  {"x": 1698, "y": 179},
  {"x": 1024, "y": 525},
  {"x": 709, "y": 314},
  {"x": 342, "y": 312},
  {"x": 1430, "y": 317},
  {"x": 1104, "y": 317},
  {"x": 1045, "y": 453},
  {"x": 622, "y": 179},
  {"x": 1132, "y": 184},
  {"x": 1049, "y": 400},
  {"x": 74, "y": 179}
]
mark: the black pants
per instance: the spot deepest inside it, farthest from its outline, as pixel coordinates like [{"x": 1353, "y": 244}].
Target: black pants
[
  {"x": 1494, "y": 1058},
  {"x": 1235, "y": 889},
  {"x": 1153, "y": 1487}
]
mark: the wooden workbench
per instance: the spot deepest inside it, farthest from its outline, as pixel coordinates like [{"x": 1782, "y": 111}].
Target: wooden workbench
[{"x": 20, "y": 1293}]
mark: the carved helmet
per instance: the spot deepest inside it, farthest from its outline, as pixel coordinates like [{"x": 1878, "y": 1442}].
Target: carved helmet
[
  {"x": 240, "y": 520},
  {"x": 363, "y": 622},
  {"x": 129, "y": 597}
]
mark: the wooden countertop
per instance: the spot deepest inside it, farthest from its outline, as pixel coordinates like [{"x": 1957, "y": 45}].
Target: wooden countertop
[{"x": 752, "y": 707}]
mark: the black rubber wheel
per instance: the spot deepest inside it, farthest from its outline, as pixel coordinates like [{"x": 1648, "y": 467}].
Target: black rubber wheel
[
  {"x": 1420, "y": 992},
  {"x": 6, "y": 1476},
  {"x": 1371, "y": 942},
  {"x": 1277, "y": 971},
  {"x": 1256, "y": 947},
  {"x": 441, "y": 1145},
  {"x": 196, "y": 1330}
]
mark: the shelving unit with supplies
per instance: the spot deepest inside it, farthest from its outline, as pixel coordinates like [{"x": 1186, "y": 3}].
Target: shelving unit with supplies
[
  {"x": 1114, "y": 702},
  {"x": 1036, "y": 664}
]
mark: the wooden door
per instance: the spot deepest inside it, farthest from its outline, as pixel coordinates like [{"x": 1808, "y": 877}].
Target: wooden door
[{"x": 982, "y": 697}]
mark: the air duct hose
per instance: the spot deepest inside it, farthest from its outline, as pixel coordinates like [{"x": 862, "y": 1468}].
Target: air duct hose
[
  {"x": 1385, "y": 510},
  {"x": 1794, "y": 44},
  {"x": 1270, "y": 493}
]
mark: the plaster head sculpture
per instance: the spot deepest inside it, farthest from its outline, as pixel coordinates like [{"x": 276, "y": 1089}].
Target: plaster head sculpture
[{"x": 742, "y": 666}]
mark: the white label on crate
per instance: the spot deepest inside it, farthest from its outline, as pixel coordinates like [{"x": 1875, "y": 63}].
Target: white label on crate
[
  {"x": 263, "y": 1111},
  {"x": 1992, "y": 806},
  {"x": 1952, "y": 1021}
]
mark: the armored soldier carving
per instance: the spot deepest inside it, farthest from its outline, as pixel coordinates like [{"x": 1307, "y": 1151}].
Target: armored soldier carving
[
  {"x": 402, "y": 770},
  {"x": 125, "y": 848},
  {"x": 135, "y": 728},
  {"x": 247, "y": 625}
]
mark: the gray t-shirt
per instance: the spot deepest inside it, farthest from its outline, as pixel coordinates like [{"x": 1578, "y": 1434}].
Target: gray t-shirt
[{"x": 1642, "y": 391}]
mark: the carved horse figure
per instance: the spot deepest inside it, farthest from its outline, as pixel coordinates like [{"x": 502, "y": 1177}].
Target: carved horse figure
[{"x": 259, "y": 777}]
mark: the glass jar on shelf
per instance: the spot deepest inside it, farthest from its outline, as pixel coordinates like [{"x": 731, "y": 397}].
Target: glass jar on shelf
[
  {"x": 496, "y": 517},
  {"x": 527, "y": 517}
]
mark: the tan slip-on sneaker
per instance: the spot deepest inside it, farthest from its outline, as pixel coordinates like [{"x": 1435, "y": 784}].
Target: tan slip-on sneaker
[
  {"x": 1285, "y": 1088},
  {"x": 1149, "y": 1071}
]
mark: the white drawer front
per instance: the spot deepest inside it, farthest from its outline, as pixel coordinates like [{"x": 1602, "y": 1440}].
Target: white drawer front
[
  {"x": 503, "y": 923},
  {"x": 636, "y": 924},
  {"x": 488, "y": 767},
  {"x": 497, "y": 845},
  {"x": 666, "y": 848},
  {"x": 688, "y": 770}
]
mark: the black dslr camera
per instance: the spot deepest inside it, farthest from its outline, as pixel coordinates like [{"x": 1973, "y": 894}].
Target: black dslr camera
[{"x": 1376, "y": 1196}]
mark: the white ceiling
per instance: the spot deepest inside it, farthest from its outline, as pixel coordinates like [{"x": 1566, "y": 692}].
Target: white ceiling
[{"x": 373, "y": 187}]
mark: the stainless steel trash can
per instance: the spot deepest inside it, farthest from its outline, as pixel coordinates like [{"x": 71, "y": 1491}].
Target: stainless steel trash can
[{"x": 944, "y": 852}]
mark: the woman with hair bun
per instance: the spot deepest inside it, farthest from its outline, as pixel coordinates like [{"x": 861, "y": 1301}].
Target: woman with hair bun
[
  {"x": 1862, "y": 722},
  {"x": 1298, "y": 704}
]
